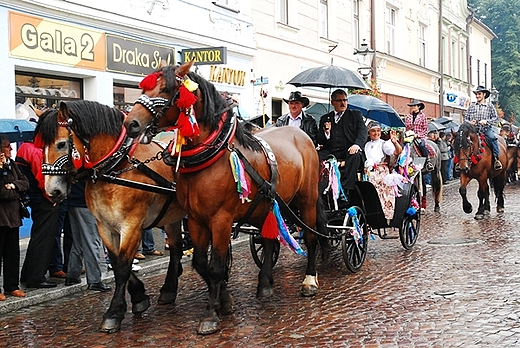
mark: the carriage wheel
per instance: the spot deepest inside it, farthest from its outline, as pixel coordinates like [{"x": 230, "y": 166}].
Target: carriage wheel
[
  {"x": 354, "y": 252},
  {"x": 409, "y": 230},
  {"x": 257, "y": 250}
]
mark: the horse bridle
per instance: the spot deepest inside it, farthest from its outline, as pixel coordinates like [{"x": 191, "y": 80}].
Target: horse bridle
[{"x": 64, "y": 164}]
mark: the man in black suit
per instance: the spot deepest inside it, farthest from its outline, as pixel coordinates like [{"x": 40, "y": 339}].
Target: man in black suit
[
  {"x": 297, "y": 118},
  {"x": 343, "y": 134}
]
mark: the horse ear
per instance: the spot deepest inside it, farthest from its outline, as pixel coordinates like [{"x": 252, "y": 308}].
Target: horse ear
[
  {"x": 163, "y": 64},
  {"x": 63, "y": 109},
  {"x": 184, "y": 69}
]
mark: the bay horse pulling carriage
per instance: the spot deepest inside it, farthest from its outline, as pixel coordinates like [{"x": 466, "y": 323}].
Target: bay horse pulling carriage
[
  {"x": 281, "y": 164},
  {"x": 474, "y": 158},
  {"x": 128, "y": 192}
]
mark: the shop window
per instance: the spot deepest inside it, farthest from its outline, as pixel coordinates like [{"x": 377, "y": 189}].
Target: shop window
[
  {"x": 125, "y": 96},
  {"x": 46, "y": 91}
]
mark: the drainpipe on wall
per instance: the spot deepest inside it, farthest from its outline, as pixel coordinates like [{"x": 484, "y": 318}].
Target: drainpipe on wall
[
  {"x": 372, "y": 38},
  {"x": 469, "y": 20},
  {"x": 441, "y": 63}
]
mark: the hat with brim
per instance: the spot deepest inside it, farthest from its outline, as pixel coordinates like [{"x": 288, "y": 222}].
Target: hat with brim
[
  {"x": 416, "y": 102},
  {"x": 297, "y": 96},
  {"x": 373, "y": 125},
  {"x": 484, "y": 90}
]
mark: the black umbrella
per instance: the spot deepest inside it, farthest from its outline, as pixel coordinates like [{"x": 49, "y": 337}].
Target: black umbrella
[
  {"x": 329, "y": 77},
  {"x": 447, "y": 122},
  {"x": 375, "y": 109},
  {"x": 17, "y": 130}
]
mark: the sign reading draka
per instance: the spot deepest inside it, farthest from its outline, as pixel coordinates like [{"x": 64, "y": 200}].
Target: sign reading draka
[
  {"x": 136, "y": 57},
  {"x": 50, "y": 41}
]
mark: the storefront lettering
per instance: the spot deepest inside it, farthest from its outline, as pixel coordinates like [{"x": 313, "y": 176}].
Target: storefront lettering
[
  {"x": 203, "y": 56},
  {"x": 227, "y": 75},
  {"x": 56, "y": 43},
  {"x": 134, "y": 57}
]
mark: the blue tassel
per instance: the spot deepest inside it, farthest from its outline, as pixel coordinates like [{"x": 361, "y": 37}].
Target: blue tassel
[
  {"x": 358, "y": 236},
  {"x": 285, "y": 236},
  {"x": 411, "y": 211}
]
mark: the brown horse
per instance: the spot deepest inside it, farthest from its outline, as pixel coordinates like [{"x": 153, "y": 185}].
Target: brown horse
[
  {"x": 205, "y": 184},
  {"x": 475, "y": 161},
  {"x": 87, "y": 139},
  {"x": 513, "y": 161}
]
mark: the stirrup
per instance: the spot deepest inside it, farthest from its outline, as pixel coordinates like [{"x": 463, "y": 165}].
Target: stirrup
[
  {"x": 497, "y": 165},
  {"x": 429, "y": 165}
]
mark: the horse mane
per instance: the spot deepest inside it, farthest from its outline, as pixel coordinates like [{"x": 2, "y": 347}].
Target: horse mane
[
  {"x": 214, "y": 105},
  {"x": 47, "y": 126},
  {"x": 90, "y": 118},
  {"x": 460, "y": 139}
]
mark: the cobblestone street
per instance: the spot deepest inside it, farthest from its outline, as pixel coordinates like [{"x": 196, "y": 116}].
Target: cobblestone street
[{"x": 459, "y": 286}]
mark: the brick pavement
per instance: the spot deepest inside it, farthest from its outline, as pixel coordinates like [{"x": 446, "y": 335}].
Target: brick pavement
[{"x": 458, "y": 287}]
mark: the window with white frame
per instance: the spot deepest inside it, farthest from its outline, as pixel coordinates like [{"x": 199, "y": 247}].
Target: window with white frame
[
  {"x": 390, "y": 30},
  {"x": 463, "y": 67},
  {"x": 282, "y": 11},
  {"x": 454, "y": 60},
  {"x": 324, "y": 19},
  {"x": 422, "y": 45},
  {"x": 478, "y": 72},
  {"x": 355, "y": 24}
]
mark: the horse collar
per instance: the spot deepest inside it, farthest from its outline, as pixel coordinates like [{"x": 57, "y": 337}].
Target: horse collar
[{"x": 209, "y": 151}]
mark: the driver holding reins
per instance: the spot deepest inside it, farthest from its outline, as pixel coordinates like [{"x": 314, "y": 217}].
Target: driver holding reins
[{"x": 485, "y": 115}]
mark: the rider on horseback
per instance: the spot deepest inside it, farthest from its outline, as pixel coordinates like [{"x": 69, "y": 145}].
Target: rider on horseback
[
  {"x": 485, "y": 115},
  {"x": 417, "y": 122}
]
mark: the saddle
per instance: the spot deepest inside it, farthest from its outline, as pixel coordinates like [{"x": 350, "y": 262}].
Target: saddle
[{"x": 431, "y": 151}]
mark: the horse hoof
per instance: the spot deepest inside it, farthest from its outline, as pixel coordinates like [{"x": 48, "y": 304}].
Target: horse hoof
[
  {"x": 110, "y": 325},
  {"x": 479, "y": 216},
  {"x": 140, "y": 307},
  {"x": 487, "y": 212},
  {"x": 264, "y": 294},
  {"x": 227, "y": 305},
  {"x": 167, "y": 298},
  {"x": 500, "y": 209},
  {"x": 437, "y": 209},
  {"x": 309, "y": 286},
  {"x": 208, "y": 326}
]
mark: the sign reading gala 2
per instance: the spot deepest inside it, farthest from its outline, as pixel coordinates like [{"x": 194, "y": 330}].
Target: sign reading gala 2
[{"x": 50, "y": 41}]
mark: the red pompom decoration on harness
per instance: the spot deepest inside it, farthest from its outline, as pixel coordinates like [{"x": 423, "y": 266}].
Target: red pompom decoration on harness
[
  {"x": 186, "y": 98},
  {"x": 455, "y": 159},
  {"x": 270, "y": 227},
  {"x": 150, "y": 81}
]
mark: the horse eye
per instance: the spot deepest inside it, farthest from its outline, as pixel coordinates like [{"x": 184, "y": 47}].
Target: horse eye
[{"x": 61, "y": 145}]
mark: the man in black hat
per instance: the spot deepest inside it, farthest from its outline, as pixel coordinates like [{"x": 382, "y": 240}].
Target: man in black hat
[
  {"x": 343, "y": 134},
  {"x": 297, "y": 118},
  {"x": 485, "y": 115}
]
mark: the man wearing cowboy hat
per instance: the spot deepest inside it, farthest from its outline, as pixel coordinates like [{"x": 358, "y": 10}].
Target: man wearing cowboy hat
[
  {"x": 485, "y": 114},
  {"x": 297, "y": 118},
  {"x": 417, "y": 122}
]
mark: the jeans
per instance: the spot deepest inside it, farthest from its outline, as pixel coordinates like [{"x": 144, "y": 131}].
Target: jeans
[
  {"x": 494, "y": 142},
  {"x": 148, "y": 242}
]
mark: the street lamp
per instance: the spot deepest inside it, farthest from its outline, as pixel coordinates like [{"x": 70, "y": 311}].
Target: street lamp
[
  {"x": 494, "y": 95},
  {"x": 368, "y": 55}
]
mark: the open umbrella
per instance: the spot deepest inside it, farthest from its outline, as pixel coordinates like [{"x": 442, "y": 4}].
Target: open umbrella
[
  {"x": 329, "y": 77},
  {"x": 447, "y": 122},
  {"x": 375, "y": 109},
  {"x": 434, "y": 126},
  {"x": 17, "y": 130}
]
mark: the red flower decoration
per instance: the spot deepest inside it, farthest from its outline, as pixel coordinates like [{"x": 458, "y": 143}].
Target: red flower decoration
[
  {"x": 473, "y": 159},
  {"x": 150, "y": 81},
  {"x": 482, "y": 150},
  {"x": 455, "y": 159},
  {"x": 479, "y": 157}
]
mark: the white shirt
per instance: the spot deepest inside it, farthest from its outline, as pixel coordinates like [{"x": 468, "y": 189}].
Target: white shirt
[
  {"x": 376, "y": 150},
  {"x": 295, "y": 122}
]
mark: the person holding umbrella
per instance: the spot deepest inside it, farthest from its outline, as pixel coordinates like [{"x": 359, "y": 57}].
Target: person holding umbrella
[
  {"x": 297, "y": 118},
  {"x": 417, "y": 122},
  {"x": 342, "y": 133}
]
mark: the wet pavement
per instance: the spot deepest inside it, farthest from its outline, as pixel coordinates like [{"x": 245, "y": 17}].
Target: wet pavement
[{"x": 458, "y": 287}]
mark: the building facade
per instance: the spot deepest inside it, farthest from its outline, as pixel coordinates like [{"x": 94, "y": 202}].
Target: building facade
[{"x": 58, "y": 50}]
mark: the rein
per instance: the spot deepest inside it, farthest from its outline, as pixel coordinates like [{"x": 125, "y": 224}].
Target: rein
[{"x": 472, "y": 153}]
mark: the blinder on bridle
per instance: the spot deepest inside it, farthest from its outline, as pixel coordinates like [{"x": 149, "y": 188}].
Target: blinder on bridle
[
  {"x": 152, "y": 104},
  {"x": 64, "y": 164}
]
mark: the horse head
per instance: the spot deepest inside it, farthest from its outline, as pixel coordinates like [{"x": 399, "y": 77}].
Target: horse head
[
  {"x": 466, "y": 146},
  {"x": 171, "y": 98}
]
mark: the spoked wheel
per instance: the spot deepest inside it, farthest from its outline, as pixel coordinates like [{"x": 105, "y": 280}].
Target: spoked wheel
[
  {"x": 409, "y": 230},
  {"x": 257, "y": 250},
  {"x": 354, "y": 248}
]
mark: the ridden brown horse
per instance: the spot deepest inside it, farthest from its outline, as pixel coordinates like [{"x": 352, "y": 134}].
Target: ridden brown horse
[
  {"x": 475, "y": 160},
  {"x": 87, "y": 139},
  {"x": 205, "y": 184}
]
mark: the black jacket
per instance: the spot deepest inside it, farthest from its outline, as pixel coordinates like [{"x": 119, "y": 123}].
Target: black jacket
[
  {"x": 308, "y": 125},
  {"x": 354, "y": 128}
]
